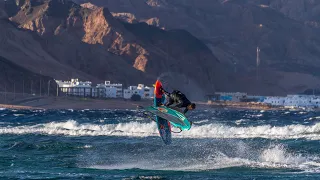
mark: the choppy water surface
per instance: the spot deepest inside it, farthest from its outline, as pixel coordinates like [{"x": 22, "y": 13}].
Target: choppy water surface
[{"x": 123, "y": 144}]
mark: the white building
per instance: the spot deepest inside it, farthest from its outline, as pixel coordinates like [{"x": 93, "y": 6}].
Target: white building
[
  {"x": 127, "y": 93},
  {"x": 105, "y": 91},
  {"x": 275, "y": 100},
  {"x": 79, "y": 88},
  {"x": 143, "y": 91},
  {"x": 316, "y": 101},
  {"x": 292, "y": 101},
  {"x": 148, "y": 92},
  {"x": 236, "y": 96},
  {"x": 119, "y": 88},
  {"x": 75, "y": 87},
  {"x": 302, "y": 101}
]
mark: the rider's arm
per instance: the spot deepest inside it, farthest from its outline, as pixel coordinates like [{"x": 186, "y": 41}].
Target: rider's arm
[
  {"x": 165, "y": 92},
  {"x": 179, "y": 105},
  {"x": 185, "y": 111}
]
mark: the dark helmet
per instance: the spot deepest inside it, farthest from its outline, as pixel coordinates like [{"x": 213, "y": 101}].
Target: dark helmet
[{"x": 193, "y": 105}]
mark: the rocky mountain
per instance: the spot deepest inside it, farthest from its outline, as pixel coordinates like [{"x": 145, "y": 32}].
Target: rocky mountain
[
  {"x": 67, "y": 40},
  {"x": 23, "y": 61},
  {"x": 197, "y": 47},
  {"x": 16, "y": 74},
  {"x": 232, "y": 29},
  {"x": 307, "y": 11}
]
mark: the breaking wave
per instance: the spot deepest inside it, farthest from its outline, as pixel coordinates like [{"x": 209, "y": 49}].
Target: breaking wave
[{"x": 138, "y": 129}]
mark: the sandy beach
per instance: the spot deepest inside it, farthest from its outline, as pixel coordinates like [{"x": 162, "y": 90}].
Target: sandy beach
[
  {"x": 7, "y": 106},
  {"x": 74, "y": 103},
  {"x": 242, "y": 105},
  {"x": 88, "y": 103},
  {"x": 79, "y": 103}
]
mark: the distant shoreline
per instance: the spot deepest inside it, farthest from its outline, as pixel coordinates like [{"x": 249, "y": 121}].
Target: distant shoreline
[
  {"x": 8, "y": 106},
  {"x": 242, "y": 105},
  {"x": 252, "y": 106},
  {"x": 76, "y": 103},
  {"x": 87, "y": 103}
]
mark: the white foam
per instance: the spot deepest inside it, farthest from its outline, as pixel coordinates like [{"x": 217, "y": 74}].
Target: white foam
[
  {"x": 275, "y": 156},
  {"x": 258, "y": 115},
  {"x": 279, "y": 155},
  {"x": 314, "y": 118},
  {"x": 73, "y": 128},
  {"x": 85, "y": 146},
  {"x": 264, "y": 131},
  {"x": 240, "y": 121},
  {"x": 201, "y": 121},
  {"x": 137, "y": 129}
]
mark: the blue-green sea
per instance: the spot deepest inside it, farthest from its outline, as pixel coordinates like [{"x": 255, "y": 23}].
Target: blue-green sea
[{"x": 124, "y": 144}]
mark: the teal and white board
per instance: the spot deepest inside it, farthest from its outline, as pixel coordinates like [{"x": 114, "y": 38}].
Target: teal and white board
[{"x": 176, "y": 118}]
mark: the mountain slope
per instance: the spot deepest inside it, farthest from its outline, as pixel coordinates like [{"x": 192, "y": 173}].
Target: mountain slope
[
  {"x": 24, "y": 59},
  {"x": 302, "y": 10},
  {"x": 98, "y": 46},
  {"x": 16, "y": 79},
  {"x": 233, "y": 29}
]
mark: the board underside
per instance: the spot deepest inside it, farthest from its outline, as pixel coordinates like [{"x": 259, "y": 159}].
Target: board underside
[{"x": 176, "y": 118}]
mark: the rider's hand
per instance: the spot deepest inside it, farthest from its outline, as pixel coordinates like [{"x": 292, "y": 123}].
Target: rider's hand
[{"x": 161, "y": 89}]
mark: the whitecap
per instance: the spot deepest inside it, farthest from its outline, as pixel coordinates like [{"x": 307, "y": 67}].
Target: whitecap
[{"x": 139, "y": 129}]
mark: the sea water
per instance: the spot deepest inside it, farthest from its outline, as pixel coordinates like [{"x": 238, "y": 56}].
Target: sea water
[{"x": 124, "y": 144}]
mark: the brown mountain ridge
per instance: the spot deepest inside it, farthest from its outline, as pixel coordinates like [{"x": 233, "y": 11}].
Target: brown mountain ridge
[
  {"x": 233, "y": 29},
  {"x": 143, "y": 40},
  {"x": 93, "y": 42}
]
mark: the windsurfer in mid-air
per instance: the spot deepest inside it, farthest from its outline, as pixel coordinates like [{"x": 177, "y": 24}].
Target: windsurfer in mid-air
[{"x": 178, "y": 98}]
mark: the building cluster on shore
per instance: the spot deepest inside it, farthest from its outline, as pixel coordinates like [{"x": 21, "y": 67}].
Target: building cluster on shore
[
  {"x": 308, "y": 101},
  {"x": 116, "y": 90},
  {"x": 103, "y": 90},
  {"x": 289, "y": 101}
]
